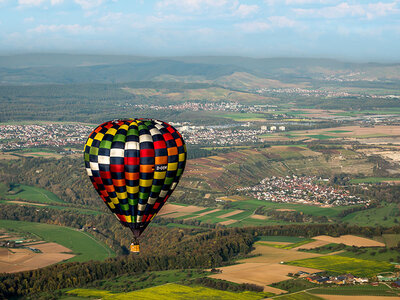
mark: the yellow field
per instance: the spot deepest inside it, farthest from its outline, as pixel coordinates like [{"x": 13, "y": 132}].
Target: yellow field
[{"x": 168, "y": 292}]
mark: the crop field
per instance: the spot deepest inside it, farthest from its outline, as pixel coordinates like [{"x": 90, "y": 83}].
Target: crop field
[
  {"x": 82, "y": 244},
  {"x": 245, "y": 167},
  {"x": 356, "y": 290},
  {"x": 352, "y": 131},
  {"x": 262, "y": 274},
  {"x": 299, "y": 296},
  {"x": 31, "y": 193},
  {"x": 22, "y": 259},
  {"x": 350, "y": 240},
  {"x": 364, "y": 297},
  {"x": 265, "y": 267},
  {"x": 340, "y": 264},
  {"x": 167, "y": 292}
]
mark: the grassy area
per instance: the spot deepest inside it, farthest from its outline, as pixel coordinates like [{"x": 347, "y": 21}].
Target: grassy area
[
  {"x": 329, "y": 248},
  {"x": 356, "y": 290},
  {"x": 373, "y": 179},
  {"x": 167, "y": 292},
  {"x": 321, "y": 136},
  {"x": 338, "y": 131},
  {"x": 386, "y": 215},
  {"x": 241, "y": 116},
  {"x": 84, "y": 245},
  {"x": 299, "y": 296},
  {"x": 280, "y": 238},
  {"x": 378, "y": 254},
  {"x": 341, "y": 264},
  {"x": 391, "y": 240},
  {"x": 286, "y": 247},
  {"x": 31, "y": 193},
  {"x": 149, "y": 279},
  {"x": 251, "y": 205},
  {"x": 294, "y": 285}
]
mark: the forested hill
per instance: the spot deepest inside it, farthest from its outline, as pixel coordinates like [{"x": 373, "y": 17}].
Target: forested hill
[
  {"x": 113, "y": 73},
  {"x": 67, "y": 68}
]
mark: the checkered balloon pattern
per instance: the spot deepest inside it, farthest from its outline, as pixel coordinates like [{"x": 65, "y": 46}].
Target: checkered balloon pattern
[{"x": 135, "y": 165}]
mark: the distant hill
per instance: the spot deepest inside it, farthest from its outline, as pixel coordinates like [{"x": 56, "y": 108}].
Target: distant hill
[{"x": 234, "y": 72}]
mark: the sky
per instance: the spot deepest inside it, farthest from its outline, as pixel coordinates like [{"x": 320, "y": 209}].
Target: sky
[{"x": 358, "y": 30}]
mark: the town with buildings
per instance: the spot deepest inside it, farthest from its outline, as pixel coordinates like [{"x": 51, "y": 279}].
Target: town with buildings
[
  {"x": 223, "y": 106},
  {"x": 302, "y": 190},
  {"x": 16, "y": 137}
]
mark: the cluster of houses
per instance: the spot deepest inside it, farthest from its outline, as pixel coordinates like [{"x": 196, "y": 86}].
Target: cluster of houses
[
  {"x": 219, "y": 136},
  {"x": 302, "y": 190},
  {"x": 302, "y": 92},
  {"x": 17, "y": 244},
  {"x": 227, "y": 106},
  {"x": 339, "y": 279},
  {"x": 14, "y": 137}
]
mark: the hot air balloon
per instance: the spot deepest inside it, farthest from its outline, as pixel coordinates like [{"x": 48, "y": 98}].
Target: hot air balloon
[{"x": 135, "y": 165}]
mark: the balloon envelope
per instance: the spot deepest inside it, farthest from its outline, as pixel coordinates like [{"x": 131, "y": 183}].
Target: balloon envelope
[{"x": 135, "y": 165}]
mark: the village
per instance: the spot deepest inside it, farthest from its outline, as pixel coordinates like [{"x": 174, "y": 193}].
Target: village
[
  {"x": 301, "y": 190},
  {"x": 14, "y": 137},
  {"x": 17, "y": 137},
  {"x": 226, "y": 106}
]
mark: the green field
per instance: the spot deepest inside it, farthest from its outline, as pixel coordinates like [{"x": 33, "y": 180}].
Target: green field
[
  {"x": 286, "y": 247},
  {"x": 382, "y": 216},
  {"x": 169, "y": 291},
  {"x": 242, "y": 117},
  {"x": 84, "y": 245},
  {"x": 322, "y": 136},
  {"x": 373, "y": 179},
  {"x": 251, "y": 205},
  {"x": 30, "y": 193},
  {"x": 280, "y": 238},
  {"x": 391, "y": 240},
  {"x": 342, "y": 265},
  {"x": 378, "y": 254},
  {"x": 338, "y": 131},
  {"x": 299, "y": 296},
  {"x": 146, "y": 280},
  {"x": 356, "y": 290}
]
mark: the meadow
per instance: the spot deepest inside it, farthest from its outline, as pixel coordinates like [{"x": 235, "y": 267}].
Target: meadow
[
  {"x": 31, "y": 193},
  {"x": 169, "y": 291},
  {"x": 342, "y": 265},
  {"x": 356, "y": 290},
  {"x": 299, "y": 296},
  {"x": 385, "y": 215},
  {"x": 82, "y": 244},
  {"x": 146, "y": 280},
  {"x": 373, "y": 179}
]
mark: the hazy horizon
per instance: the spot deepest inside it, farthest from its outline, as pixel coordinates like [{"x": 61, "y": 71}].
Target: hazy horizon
[{"x": 344, "y": 30}]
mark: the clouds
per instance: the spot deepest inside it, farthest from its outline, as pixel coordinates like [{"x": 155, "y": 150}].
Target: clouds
[
  {"x": 70, "y": 29},
  {"x": 345, "y": 9},
  {"x": 244, "y": 10},
  {"x": 89, "y": 4},
  {"x": 191, "y": 5},
  {"x": 242, "y": 27}
]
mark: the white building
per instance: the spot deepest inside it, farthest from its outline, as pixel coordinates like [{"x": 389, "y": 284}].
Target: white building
[{"x": 272, "y": 128}]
